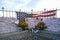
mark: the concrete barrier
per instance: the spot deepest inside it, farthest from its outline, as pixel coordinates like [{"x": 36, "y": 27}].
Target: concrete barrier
[{"x": 27, "y": 35}]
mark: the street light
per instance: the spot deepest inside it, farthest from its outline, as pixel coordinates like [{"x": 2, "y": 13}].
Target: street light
[
  {"x": 31, "y": 11},
  {"x": 3, "y": 11},
  {"x": 44, "y": 9}
]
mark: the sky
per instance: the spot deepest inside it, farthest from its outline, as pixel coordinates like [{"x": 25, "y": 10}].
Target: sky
[{"x": 36, "y": 5}]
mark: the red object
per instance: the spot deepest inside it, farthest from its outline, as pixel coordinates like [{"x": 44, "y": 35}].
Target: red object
[
  {"x": 48, "y": 15},
  {"x": 35, "y": 15},
  {"x": 45, "y": 14}
]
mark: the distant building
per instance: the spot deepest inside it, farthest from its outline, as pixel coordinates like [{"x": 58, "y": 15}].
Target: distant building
[{"x": 22, "y": 15}]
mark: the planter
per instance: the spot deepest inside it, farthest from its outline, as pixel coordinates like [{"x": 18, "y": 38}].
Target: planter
[
  {"x": 23, "y": 25},
  {"x": 41, "y": 26}
]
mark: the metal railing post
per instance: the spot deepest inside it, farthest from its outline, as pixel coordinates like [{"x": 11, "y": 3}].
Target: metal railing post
[{"x": 3, "y": 11}]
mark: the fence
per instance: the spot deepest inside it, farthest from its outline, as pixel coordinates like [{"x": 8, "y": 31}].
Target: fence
[
  {"x": 7, "y": 13},
  {"x": 27, "y": 35},
  {"x": 11, "y": 13}
]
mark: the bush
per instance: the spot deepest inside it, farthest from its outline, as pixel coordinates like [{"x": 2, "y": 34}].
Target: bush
[
  {"x": 23, "y": 24},
  {"x": 41, "y": 25}
]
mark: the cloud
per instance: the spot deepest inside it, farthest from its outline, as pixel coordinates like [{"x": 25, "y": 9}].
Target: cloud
[
  {"x": 36, "y": 5},
  {"x": 28, "y": 6},
  {"x": 23, "y": 5},
  {"x": 31, "y": 4},
  {"x": 48, "y": 4},
  {"x": 15, "y": 4}
]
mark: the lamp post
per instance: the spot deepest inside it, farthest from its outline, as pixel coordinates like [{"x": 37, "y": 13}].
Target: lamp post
[
  {"x": 20, "y": 10},
  {"x": 56, "y": 13},
  {"x": 3, "y": 11},
  {"x": 31, "y": 11},
  {"x": 44, "y": 9}
]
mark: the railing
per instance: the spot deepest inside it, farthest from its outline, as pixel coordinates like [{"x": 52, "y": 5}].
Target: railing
[{"x": 27, "y": 35}]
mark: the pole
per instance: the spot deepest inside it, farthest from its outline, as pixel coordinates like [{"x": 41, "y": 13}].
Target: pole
[
  {"x": 56, "y": 12},
  {"x": 12, "y": 13},
  {"x": 6, "y": 13},
  {"x": 3, "y": 11},
  {"x": 31, "y": 11},
  {"x": 9, "y": 14},
  {"x": 44, "y": 12}
]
